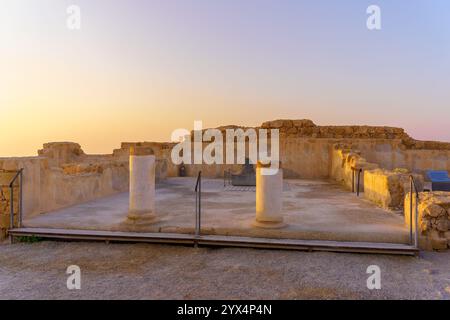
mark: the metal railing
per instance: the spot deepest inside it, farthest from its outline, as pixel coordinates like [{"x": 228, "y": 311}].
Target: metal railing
[
  {"x": 198, "y": 205},
  {"x": 226, "y": 177},
  {"x": 358, "y": 180},
  {"x": 413, "y": 189},
  {"x": 18, "y": 175}
]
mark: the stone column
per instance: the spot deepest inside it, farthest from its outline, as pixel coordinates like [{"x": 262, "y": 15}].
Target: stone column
[
  {"x": 142, "y": 187},
  {"x": 269, "y": 198}
]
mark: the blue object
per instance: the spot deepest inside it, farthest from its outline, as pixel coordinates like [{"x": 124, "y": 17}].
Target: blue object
[{"x": 439, "y": 180}]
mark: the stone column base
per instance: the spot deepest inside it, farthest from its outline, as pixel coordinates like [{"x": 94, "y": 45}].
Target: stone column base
[
  {"x": 135, "y": 222},
  {"x": 269, "y": 224}
]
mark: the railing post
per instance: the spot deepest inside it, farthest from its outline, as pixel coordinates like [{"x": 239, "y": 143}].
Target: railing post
[
  {"x": 198, "y": 207},
  {"x": 411, "y": 211},
  {"x": 199, "y": 204},
  {"x": 359, "y": 179},
  {"x": 20, "y": 213},
  {"x": 416, "y": 234},
  {"x": 196, "y": 211},
  {"x": 353, "y": 180},
  {"x": 11, "y": 212}
]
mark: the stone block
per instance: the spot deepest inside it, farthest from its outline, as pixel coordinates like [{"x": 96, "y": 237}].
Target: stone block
[{"x": 434, "y": 210}]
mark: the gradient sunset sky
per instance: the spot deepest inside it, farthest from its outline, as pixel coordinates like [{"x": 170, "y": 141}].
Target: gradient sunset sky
[{"x": 137, "y": 70}]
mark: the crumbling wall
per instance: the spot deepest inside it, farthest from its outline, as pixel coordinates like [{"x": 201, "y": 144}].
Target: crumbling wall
[
  {"x": 63, "y": 175},
  {"x": 164, "y": 165},
  {"x": 433, "y": 219},
  {"x": 5, "y": 203},
  {"x": 388, "y": 188},
  {"x": 345, "y": 164},
  {"x": 307, "y": 150},
  {"x": 32, "y": 168},
  {"x": 59, "y": 153}
]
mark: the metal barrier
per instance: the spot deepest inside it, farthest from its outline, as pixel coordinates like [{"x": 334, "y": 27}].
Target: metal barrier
[
  {"x": 358, "y": 180},
  {"x": 226, "y": 177},
  {"x": 198, "y": 205},
  {"x": 18, "y": 175},
  {"x": 413, "y": 189}
]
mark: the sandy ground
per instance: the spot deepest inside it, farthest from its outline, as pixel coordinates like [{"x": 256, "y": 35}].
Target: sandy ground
[{"x": 144, "y": 271}]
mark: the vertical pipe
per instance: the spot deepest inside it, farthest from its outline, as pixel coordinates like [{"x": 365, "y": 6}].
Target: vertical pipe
[
  {"x": 416, "y": 234},
  {"x": 196, "y": 211},
  {"x": 11, "y": 211},
  {"x": 200, "y": 203},
  {"x": 20, "y": 199},
  {"x": 359, "y": 177},
  {"x": 410, "y": 210},
  {"x": 353, "y": 180}
]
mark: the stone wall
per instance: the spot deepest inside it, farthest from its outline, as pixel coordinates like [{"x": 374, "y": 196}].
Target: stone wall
[
  {"x": 433, "y": 219},
  {"x": 63, "y": 175},
  {"x": 391, "y": 154},
  {"x": 345, "y": 164},
  {"x": 162, "y": 150},
  {"x": 307, "y": 150},
  {"x": 388, "y": 188},
  {"x": 5, "y": 202}
]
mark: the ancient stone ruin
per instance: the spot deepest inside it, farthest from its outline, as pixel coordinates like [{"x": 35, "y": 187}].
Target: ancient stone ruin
[{"x": 380, "y": 158}]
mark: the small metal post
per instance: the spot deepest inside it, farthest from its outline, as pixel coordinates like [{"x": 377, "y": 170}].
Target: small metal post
[
  {"x": 11, "y": 212},
  {"x": 416, "y": 234},
  {"x": 20, "y": 217},
  {"x": 410, "y": 211},
  {"x": 196, "y": 211},
  {"x": 359, "y": 178},
  {"x": 199, "y": 205},
  {"x": 353, "y": 180}
]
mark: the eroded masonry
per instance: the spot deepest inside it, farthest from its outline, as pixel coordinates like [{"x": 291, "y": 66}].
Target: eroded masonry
[{"x": 377, "y": 160}]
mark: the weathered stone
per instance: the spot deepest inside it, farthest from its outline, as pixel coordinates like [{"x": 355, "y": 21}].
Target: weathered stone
[
  {"x": 447, "y": 235},
  {"x": 442, "y": 224},
  {"x": 59, "y": 153},
  {"x": 388, "y": 188},
  {"x": 401, "y": 170},
  {"x": 303, "y": 123},
  {"x": 277, "y": 124},
  {"x": 425, "y": 226},
  {"x": 434, "y": 210},
  {"x": 4, "y": 221},
  {"x": 439, "y": 244}
]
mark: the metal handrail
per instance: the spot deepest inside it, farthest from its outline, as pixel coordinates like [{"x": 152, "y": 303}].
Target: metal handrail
[
  {"x": 227, "y": 177},
  {"x": 358, "y": 181},
  {"x": 413, "y": 187},
  {"x": 198, "y": 205},
  {"x": 18, "y": 175}
]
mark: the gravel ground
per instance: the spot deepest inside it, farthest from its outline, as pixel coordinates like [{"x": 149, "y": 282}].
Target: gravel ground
[{"x": 144, "y": 271}]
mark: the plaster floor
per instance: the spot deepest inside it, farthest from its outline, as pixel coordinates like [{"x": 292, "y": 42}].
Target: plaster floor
[{"x": 312, "y": 209}]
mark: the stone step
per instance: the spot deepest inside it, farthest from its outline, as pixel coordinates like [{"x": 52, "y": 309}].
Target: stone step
[{"x": 221, "y": 241}]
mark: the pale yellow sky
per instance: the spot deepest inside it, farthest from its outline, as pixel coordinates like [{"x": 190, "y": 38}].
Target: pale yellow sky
[{"x": 138, "y": 72}]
